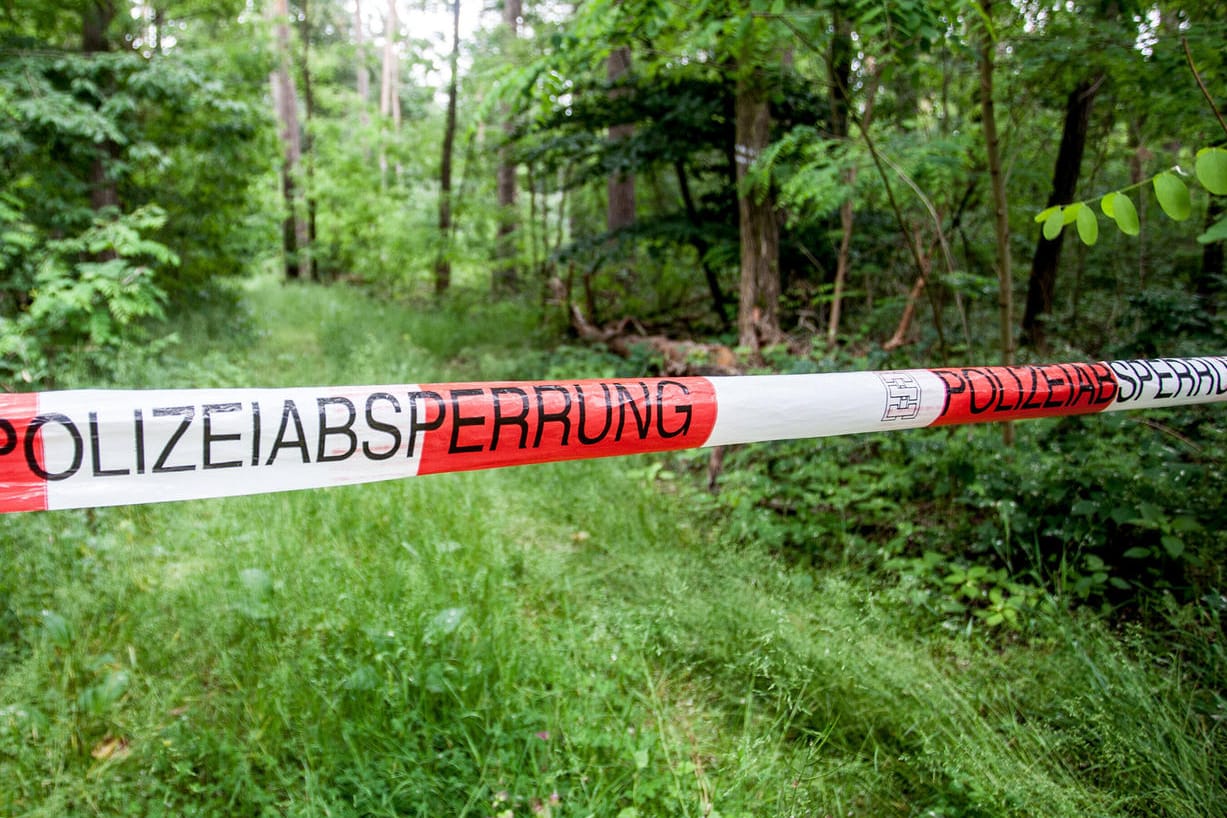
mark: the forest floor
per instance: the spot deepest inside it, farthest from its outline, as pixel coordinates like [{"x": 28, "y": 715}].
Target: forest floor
[{"x": 558, "y": 640}]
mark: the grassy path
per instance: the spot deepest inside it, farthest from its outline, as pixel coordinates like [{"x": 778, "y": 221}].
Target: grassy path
[{"x": 562, "y": 640}]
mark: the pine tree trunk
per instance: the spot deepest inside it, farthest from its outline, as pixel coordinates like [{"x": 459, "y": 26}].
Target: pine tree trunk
[
  {"x": 443, "y": 264},
  {"x": 1041, "y": 287}
]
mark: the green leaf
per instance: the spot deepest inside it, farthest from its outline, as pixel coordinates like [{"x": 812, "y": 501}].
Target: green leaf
[
  {"x": 1217, "y": 232},
  {"x": 1137, "y": 553},
  {"x": 1043, "y": 215},
  {"x": 1173, "y": 196},
  {"x": 1125, "y": 214},
  {"x": 1053, "y": 225},
  {"x": 1173, "y": 545},
  {"x": 1070, "y": 213},
  {"x": 1088, "y": 226},
  {"x": 1211, "y": 170},
  {"x": 1107, "y": 204}
]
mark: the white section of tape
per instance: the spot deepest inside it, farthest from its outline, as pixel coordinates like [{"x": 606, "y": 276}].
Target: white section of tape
[
  {"x": 1146, "y": 384},
  {"x": 780, "y": 407},
  {"x": 159, "y": 445}
]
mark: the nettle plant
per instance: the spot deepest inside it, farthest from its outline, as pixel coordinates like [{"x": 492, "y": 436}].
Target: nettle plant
[{"x": 1171, "y": 192}]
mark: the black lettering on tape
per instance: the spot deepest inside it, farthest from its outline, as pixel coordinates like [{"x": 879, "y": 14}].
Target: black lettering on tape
[
  {"x": 992, "y": 395},
  {"x": 683, "y": 409},
  {"x": 544, "y": 417},
  {"x": 379, "y": 426},
  {"x": 1032, "y": 397},
  {"x": 643, "y": 423},
  {"x": 10, "y": 437},
  {"x": 579, "y": 426},
  {"x": 255, "y": 433},
  {"x": 1125, "y": 376},
  {"x": 138, "y": 435},
  {"x": 459, "y": 421},
  {"x": 289, "y": 412},
  {"x": 520, "y": 419},
  {"x": 1162, "y": 376},
  {"x": 185, "y": 412},
  {"x": 209, "y": 437},
  {"x": 425, "y": 425},
  {"x": 1053, "y": 385},
  {"x": 78, "y": 446},
  {"x": 345, "y": 430},
  {"x": 95, "y": 447}
]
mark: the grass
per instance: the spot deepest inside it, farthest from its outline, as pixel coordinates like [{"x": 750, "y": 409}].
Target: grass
[{"x": 561, "y": 640}]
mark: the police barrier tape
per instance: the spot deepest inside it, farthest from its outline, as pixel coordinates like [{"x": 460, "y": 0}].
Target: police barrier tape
[{"x": 88, "y": 448}]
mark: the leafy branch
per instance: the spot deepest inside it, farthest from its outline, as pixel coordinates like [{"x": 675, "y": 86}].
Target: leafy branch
[{"x": 1170, "y": 190}]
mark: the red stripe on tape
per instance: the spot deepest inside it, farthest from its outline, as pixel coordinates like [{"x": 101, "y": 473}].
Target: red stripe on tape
[
  {"x": 485, "y": 425},
  {"x": 20, "y": 488},
  {"x": 990, "y": 393}
]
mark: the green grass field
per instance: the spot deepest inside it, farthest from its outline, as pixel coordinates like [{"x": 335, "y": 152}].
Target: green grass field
[{"x": 558, "y": 640}]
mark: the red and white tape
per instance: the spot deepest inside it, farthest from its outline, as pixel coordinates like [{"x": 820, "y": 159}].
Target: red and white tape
[{"x": 81, "y": 449}]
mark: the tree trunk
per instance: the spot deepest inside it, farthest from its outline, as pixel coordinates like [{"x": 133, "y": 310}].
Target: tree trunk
[
  {"x": 443, "y": 264},
  {"x": 389, "y": 92},
  {"x": 285, "y": 100},
  {"x": 96, "y": 19},
  {"x": 1001, "y": 212},
  {"x": 1042, "y": 284},
  {"x": 758, "y": 307},
  {"x": 839, "y": 69},
  {"x": 1210, "y": 281},
  {"x": 506, "y": 270},
  {"x": 621, "y": 210},
  {"x": 308, "y": 140}
]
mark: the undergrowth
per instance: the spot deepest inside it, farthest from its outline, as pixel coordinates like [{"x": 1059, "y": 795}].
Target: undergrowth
[{"x": 588, "y": 638}]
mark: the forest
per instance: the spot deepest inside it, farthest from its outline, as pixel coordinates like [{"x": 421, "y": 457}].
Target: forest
[{"x": 1010, "y": 619}]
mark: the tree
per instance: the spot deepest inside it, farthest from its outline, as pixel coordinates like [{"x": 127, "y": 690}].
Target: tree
[
  {"x": 443, "y": 264},
  {"x": 758, "y": 305},
  {"x": 295, "y": 232},
  {"x": 1001, "y": 210},
  {"x": 621, "y": 186},
  {"x": 506, "y": 270}
]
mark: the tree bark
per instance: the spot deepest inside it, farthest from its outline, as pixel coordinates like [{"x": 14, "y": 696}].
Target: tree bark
[
  {"x": 443, "y": 264},
  {"x": 506, "y": 270},
  {"x": 308, "y": 146},
  {"x": 285, "y": 101},
  {"x": 621, "y": 186},
  {"x": 1001, "y": 212},
  {"x": 389, "y": 92},
  {"x": 96, "y": 19},
  {"x": 758, "y": 306},
  {"x": 1042, "y": 284},
  {"x": 1210, "y": 281},
  {"x": 839, "y": 69}
]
